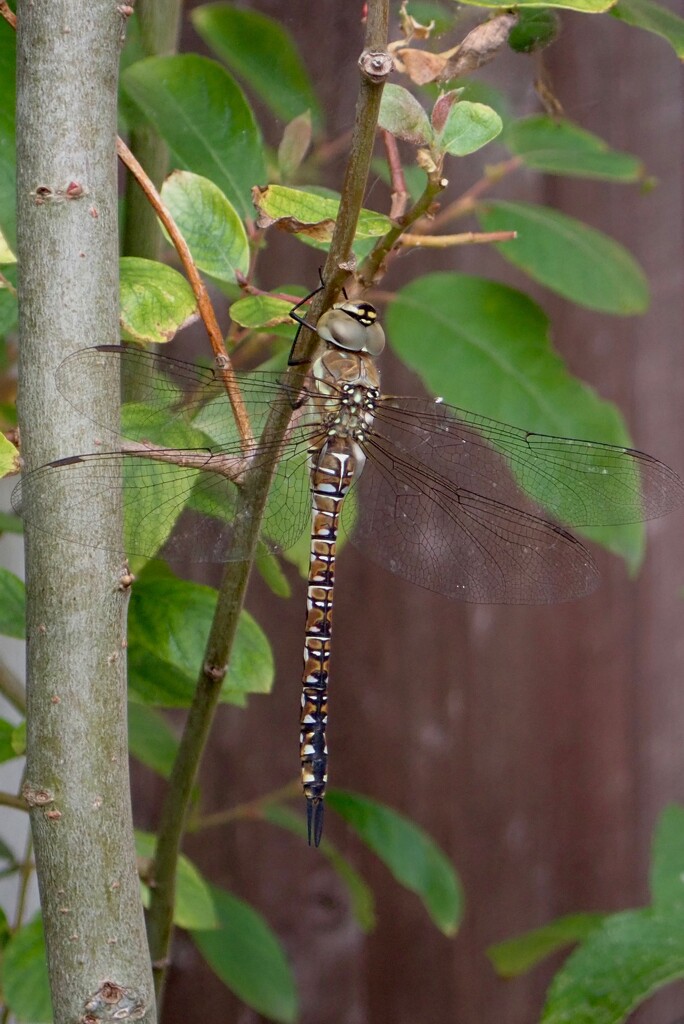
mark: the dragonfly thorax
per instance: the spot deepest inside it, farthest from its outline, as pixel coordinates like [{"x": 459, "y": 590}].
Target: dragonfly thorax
[{"x": 353, "y": 412}]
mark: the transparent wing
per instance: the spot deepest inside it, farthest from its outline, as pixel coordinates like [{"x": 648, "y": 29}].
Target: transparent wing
[
  {"x": 464, "y": 502},
  {"x": 581, "y": 483},
  {"x": 451, "y": 500},
  {"x": 458, "y": 542},
  {"x": 178, "y": 454}
]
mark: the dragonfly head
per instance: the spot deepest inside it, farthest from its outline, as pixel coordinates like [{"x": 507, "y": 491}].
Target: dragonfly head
[{"x": 352, "y": 326}]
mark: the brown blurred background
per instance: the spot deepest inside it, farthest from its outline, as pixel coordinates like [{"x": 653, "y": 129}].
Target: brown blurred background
[{"x": 537, "y": 745}]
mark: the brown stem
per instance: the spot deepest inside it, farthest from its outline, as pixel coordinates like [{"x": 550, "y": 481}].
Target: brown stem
[
  {"x": 7, "y": 14},
  {"x": 12, "y": 800},
  {"x": 467, "y": 202},
  {"x": 204, "y": 304},
  {"x": 400, "y": 195},
  {"x": 6, "y": 283},
  {"x": 12, "y": 688},
  {"x": 377, "y": 260},
  {"x": 248, "y": 809},
  {"x": 465, "y": 238}
]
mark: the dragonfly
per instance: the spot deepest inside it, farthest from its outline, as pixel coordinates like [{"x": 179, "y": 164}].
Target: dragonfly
[{"x": 453, "y": 501}]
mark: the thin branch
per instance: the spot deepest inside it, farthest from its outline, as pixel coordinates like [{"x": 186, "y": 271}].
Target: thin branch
[
  {"x": 26, "y": 871},
  {"x": 12, "y": 800},
  {"x": 7, "y": 14},
  {"x": 377, "y": 260},
  {"x": 400, "y": 195},
  {"x": 159, "y": 24},
  {"x": 248, "y": 809},
  {"x": 204, "y": 304},
  {"x": 251, "y": 502},
  {"x": 465, "y": 238},
  {"x": 251, "y": 289},
  {"x": 467, "y": 202},
  {"x": 12, "y": 688},
  {"x": 7, "y": 284}
]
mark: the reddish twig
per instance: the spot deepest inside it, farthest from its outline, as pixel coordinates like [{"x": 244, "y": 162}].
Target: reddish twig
[
  {"x": 7, "y": 14},
  {"x": 204, "y": 304},
  {"x": 400, "y": 195},
  {"x": 468, "y": 201}
]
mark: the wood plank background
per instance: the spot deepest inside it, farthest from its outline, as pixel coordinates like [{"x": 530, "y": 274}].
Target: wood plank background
[{"x": 538, "y": 745}]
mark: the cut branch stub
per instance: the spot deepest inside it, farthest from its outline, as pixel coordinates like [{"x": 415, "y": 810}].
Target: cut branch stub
[{"x": 376, "y": 65}]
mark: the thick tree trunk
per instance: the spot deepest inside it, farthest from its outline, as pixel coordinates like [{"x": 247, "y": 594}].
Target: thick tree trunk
[{"x": 77, "y": 770}]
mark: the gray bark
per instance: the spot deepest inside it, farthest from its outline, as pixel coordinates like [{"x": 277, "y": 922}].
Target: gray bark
[{"x": 77, "y": 771}]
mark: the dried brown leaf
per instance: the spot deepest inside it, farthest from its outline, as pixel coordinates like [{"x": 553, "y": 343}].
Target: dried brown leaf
[{"x": 480, "y": 46}]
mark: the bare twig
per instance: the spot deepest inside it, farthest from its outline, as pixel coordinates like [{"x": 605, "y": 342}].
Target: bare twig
[
  {"x": 12, "y": 800},
  {"x": 7, "y": 284},
  {"x": 376, "y": 261},
  {"x": 467, "y": 202},
  {"x": 12, "y": 688},
  {"x": 204, "y": 304},
  {"x": 248, "y": 809},
  {"x": 465, "y": 238},
  {"x": 400, "y": 196},
  {"x": 7, "y": 14}
]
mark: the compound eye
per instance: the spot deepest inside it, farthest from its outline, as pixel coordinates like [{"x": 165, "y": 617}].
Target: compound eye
[{"x": 352, "y": 326}]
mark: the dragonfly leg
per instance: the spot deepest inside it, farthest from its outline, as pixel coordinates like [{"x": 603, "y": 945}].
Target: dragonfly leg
[{"x": 292, "y": 361}]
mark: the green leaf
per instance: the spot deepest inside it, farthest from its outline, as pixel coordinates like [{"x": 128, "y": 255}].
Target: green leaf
[
  {"x": 259, "y": 312},
  {"x": 9, "y": 456},
  {"x": 151, "y": 739},
  {"x": 411, "y": 855},
  {"x": 194, "y": 907},
  {"x": 169, "y": 621},
  {"x": 209, "y": 223},
  {"x": 305, "y": 212},
  {"x": 536, "y": 28},
  {"x": 10, "y": 523},
  {"x": 261, "y": 51},
  {"x": 468, "y": 127},
  {"x": 202, "y": 114},
  {"x": 7, "y": 751},
  {"x": 9, "y": 309},
  {"x": 402, "y": 115},
  {"x": 360, "y": 894},
  {"x": 654, "y": 18},
  {"x": 18, "y": 739},
  {"x": 249, "y": 959},
  {"x": 271, "y": 572},
  {"x": 294, "y": 145},
  {"x": 586, "y": 6},
  {"x": 7, "y": 256},
  {"x": 576, "y": 261},
  {"x": 621, "y": 963},
  {"x": 486, "y": 347},
  {"x": 145, "y": 529},
  {"x": 667, "y": 868},
  {"x": 5, "y": 931},
  {"x": 561, "y": 147},
  {"x": 519, "y": 955},
  {"x": 425, "y": 11},
  {"x": 8, "y": 174},
  {"x": 156, "y": 301},
  {"x": 12, "y": 605},
  {"x": 24, "y": 974}
]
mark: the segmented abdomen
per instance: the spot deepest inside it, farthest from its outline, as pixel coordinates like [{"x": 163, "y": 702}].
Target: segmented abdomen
[{"x": 331, "y": 477}]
